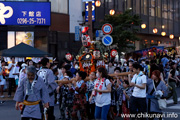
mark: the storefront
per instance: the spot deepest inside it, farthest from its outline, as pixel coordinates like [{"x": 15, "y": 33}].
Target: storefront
[{"x": 26, "y": 22}]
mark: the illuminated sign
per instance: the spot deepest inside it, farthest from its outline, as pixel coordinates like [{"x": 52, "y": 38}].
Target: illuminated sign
[
  {"x": 93, "y": 11},
  {"x": 25, "y": 13}
]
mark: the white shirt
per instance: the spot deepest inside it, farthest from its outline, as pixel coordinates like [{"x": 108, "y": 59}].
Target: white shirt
[
  {"x": 12, "y": 70},
  {"x": 137, "y": 92},
  {"x": 104, "y": 98}
]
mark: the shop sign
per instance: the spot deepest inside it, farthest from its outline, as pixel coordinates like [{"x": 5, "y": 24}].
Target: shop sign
[
  {"x": 87, "y": 10},
  {"x": 25, "y": 13}
]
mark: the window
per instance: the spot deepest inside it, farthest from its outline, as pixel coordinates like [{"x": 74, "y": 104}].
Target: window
[
  {"x": 137, "y": 6},
  {"x": 129, "y": 4},
  {"x": 170, "y": 13},
  {"x": 158, "y": 8},
  {"x": 111, "y": 4},
  {"x": 165, "y": 9},
  {"x": 152, "y": 8},
  {"x": 176, "y": 12},
  {"x": 60, "y": 6}
]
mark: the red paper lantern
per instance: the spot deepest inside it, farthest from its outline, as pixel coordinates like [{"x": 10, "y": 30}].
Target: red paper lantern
[
  {"x": 86, "y": 41},
  {"x": 69, "y": 57},
  {"x": 114, "y": 53}
]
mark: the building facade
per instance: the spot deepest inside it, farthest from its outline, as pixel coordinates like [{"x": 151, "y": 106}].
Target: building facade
[
  {"x": 161, "y": 14},
  {"x": 56, "y": 38}
]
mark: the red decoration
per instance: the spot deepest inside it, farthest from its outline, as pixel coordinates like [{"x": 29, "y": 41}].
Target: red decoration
[
  {"x": 69, "y": 57},
  {"x": 86, "y": 41},
  {"x": 114, "y": 53}
]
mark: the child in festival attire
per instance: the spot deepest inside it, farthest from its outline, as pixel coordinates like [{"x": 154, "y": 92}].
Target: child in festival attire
[
  {"x": 127, "y": 92},
  {"x": 66, "y": 98},
  {"x": 79, "y": 97},
  {"x": 90, "y": 108}
]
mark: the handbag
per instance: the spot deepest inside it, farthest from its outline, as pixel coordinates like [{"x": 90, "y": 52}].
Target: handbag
[{"x": 161, "y": 102}]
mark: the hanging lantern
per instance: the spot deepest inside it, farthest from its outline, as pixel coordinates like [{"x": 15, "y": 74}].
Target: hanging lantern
[
  {"x": 171, "y": 36},
  {"x": 163, "y": 26},
  {"x": 143, "y": 26},
  {"x": 86, "y": 41},
  {"x": 98, "y": 3},
  {"x": 155, "y": 30},
  {"x": 69, "y": 57},
  {"x": 112, "y": 12},
  {"x": 114, "y": 53},
  {"x": 163, "y": 33}
]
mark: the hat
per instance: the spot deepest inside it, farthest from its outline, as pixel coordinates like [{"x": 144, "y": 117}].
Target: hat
[{"x": 24, "y": 65}]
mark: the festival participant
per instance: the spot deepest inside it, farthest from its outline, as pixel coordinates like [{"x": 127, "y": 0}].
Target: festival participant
[
  {"x": 79, "y": 97},
  {"x": 66, "y": 98},
  {"x": 102, "y": 93},
  {"x": 173, "y": 79},
  {"x": 11, "y": 79},
  {"x": 32, "y": 92},
  {"x": 22, "y": 73},
  {"x": 2, "y": 80},
  {"x": 156, "y": 90},
  {"x": 50, "y": 83},
  {"x": 138, "y": 98},
  {"x": 125, "y": 67},
  {"x": 112, "y": 110},
  {"x": 164, "y": 60},
  {"x": 90, "y": 108},
  {"x": 110, "y": 68},
  {"x": 127, "y": 93}
]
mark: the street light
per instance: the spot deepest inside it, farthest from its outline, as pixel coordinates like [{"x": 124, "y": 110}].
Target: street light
[
  {"x": 163, "y": 33},
  {"x": 98, "y": 3},
  {"x": 155, "y": 30},
  {"x": 171, "y": 36},
  {"x": 112, "y": 12},
  {"x": 143, "y": 26}
]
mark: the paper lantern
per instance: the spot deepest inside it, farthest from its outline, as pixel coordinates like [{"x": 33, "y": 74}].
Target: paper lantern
[
  {"x": 163, "y": 33},
  {"x": 155, "y": 30},
  {"x": 69, "y": 57},
  {"x": 112, "y": 12},
  {"x": 143, "y": 26},
  {"x": 86, "y": 41},
  {"x": 98, "y": 3},
  {"x": 114, "y": 53},
  {"x": 171, "y": 36}
]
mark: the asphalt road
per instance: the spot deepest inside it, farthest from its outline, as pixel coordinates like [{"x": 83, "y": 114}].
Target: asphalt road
[{"x": 8, "y": 112}]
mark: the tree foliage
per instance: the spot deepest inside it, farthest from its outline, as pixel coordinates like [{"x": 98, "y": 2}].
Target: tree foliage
[{"x": 125, "y": 27}]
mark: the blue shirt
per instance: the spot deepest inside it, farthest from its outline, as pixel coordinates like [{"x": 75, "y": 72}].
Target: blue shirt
[{"x": 164, "y": 61}]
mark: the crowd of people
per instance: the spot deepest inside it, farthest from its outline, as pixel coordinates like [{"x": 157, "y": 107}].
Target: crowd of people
[{"x": 38, "y": 86}]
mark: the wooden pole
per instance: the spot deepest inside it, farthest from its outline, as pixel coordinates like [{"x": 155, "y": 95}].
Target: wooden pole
[
  {"x": 90, "y": 32},
  {"x": 87, "y": 78}
]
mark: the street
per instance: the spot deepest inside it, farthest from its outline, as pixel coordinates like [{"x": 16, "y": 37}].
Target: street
[{"x": 8, "y": 111}]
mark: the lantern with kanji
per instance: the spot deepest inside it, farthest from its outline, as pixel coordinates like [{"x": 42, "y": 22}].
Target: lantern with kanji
[
  {"x": 86, "y": 41},
  {"x": 114, "y": 53},
  {"x": 69, "y": 57}
]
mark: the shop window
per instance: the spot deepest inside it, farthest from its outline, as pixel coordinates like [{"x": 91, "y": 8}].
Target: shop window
[{"x": 11, "y": 39}]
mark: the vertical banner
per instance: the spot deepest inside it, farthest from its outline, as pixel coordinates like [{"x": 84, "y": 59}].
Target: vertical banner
[
  {"x": 93, "y": 11},
  {"x": 76, "y": 33}
]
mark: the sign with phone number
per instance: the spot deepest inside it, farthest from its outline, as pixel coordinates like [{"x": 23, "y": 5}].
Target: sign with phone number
[{"x": 25, "y": 13}]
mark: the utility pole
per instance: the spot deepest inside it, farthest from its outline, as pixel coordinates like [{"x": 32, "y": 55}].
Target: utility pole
[{"x": 90, "y": 32}]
